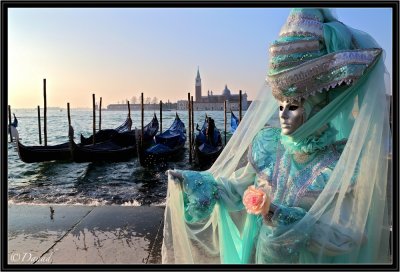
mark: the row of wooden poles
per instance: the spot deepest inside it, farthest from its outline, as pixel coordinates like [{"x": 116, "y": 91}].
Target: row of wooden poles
[
  {"x": 191, "y": 121},
  {"x": 129, "y": 114},
  {"x": 190, "y": 114},
  {"x": 69, "y": 116},
  {"x": 94, "y": 115}
]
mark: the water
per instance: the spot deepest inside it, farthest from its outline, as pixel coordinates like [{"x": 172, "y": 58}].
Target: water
[{"x": 121, "y": 183}]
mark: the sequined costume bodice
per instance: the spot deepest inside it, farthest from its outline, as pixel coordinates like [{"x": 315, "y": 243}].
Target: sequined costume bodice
[{"x": 296, "y": 178}]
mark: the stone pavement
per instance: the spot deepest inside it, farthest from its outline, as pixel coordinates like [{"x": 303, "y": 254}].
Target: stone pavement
[{"x": 84, "y": 234}]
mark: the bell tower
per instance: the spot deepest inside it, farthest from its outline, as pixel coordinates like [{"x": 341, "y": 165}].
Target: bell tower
[{"x": 198, "y": 86}]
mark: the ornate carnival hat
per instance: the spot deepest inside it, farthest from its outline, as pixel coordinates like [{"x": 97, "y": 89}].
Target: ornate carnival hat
[{"x": 310, "y": 58}]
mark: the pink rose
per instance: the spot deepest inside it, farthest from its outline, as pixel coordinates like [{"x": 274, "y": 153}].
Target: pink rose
[{"x": 255, "y": 200}]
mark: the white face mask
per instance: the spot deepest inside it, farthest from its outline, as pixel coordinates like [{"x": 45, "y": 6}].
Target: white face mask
[{"x": 290, "y": 116}]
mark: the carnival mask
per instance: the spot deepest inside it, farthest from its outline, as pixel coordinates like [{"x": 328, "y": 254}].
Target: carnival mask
[{"x": 290, "y": 116}]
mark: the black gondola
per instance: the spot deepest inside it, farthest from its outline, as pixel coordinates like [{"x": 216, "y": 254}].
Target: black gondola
[
  {"x": 40, "y": 153},
  {"x": 121, "y": 147},
  {"x": 62, "y": 152},
  {"x": 106, "y": 134},
  {"x": 207, "y": 149},
  {"x": 234, "y": 122},
  {"x": 167, "y": 146},
  {"x": 30, "y": 154}
]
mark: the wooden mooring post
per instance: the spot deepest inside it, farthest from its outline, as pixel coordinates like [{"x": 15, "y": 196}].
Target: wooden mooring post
[
  {"x": 100, "y": 114},
  {"x": 225, "y": 121},
  {"x": 189, "y": 129},
  {"x": 94, "y": 117},
  {"x": 142, "y": 119},
  {"x": 192, "y": 128},
  {"x": 45, "y": 112},
  {"x": 161, "y": 105},
  {"x": 9, "y": 123},
  {"x": 240, "y": 106},
  {"x": 69, "y": 115},
  {"x": 129, "y": 110},
  {"x": 40, "y": 127}
]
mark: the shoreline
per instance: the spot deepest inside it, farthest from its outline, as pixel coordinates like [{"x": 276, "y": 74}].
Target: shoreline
[
  {"x": 81, "y": 234},
  {"x": 94, "y": 203}
]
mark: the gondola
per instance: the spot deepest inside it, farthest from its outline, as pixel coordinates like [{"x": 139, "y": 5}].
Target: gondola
[
  {"x": 30, "y": 154},
  {"x": 39, "y": 153},
  {"x": 61, "y": 152},
  {"x": 104, "y": 151},
  {"x": 234, "y": 122},
  {"x": 121, "y": 147},
  {"x": 106, "y": 134},
  {"x": 206, "y": 151},
  {"x": 167, "y": 146}
]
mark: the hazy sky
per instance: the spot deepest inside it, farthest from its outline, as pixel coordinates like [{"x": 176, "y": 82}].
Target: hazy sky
[{"x": 118, "y": 53}]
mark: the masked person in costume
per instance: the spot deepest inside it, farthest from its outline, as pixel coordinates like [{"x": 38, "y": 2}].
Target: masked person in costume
[{"x": 312, "y": 191}]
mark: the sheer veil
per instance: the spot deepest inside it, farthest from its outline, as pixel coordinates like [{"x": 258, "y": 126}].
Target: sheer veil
[{"x": 361, "y": 116}]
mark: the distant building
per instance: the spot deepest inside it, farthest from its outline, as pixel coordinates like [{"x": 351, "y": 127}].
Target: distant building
[
  {"x": 119, "y": 107},
  {"x": 211, "y": 101},
  {"x": 138, "y": 107}
]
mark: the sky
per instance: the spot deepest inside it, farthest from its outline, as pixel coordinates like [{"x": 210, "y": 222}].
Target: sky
[{"x": 117, "y": 53}]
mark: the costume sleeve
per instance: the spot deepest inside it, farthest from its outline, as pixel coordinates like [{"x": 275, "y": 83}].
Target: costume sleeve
[
  {"x": 201, "y": 191},
  {"x": 200, "y": 194},
  {"x": 264, "y": 149}
]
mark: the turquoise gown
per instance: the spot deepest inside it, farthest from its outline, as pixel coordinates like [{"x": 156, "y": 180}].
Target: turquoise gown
[{"x": 297, "y": 173}]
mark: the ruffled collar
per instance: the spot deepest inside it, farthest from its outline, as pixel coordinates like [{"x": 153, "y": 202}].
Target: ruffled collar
[{"x": 317, "y": 141}]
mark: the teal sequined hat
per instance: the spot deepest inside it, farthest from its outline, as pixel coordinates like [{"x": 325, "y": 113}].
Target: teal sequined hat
[{"x": 303, "y": 62}]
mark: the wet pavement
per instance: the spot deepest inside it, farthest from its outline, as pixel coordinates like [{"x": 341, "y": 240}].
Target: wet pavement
[{"x": 84, "y": 234}]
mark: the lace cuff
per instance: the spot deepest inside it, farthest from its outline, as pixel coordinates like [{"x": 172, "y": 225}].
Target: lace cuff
[{"x": 200, "y": 193}]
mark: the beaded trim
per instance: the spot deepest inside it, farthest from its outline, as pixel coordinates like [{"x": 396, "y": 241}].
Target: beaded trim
[
  {"x": 309, "y": 76},
  {"x": 282, "y": 177},
  {"x": 296, "y": 15},
  {"x": 316, "y": 171},
  {"x": 300, "y": 24},
  {"x": 293, "y": 60},
  {"x": 316, "y": 193},
  {"x": 279, "y": 154},
  {"x": 294, "y": 47}
]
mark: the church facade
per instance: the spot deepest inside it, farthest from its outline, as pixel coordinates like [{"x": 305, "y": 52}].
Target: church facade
[{"x": 212, "y": 101}]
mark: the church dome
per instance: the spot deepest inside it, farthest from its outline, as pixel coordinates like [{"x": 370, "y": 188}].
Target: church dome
[{"x": 226, "y": 92}]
